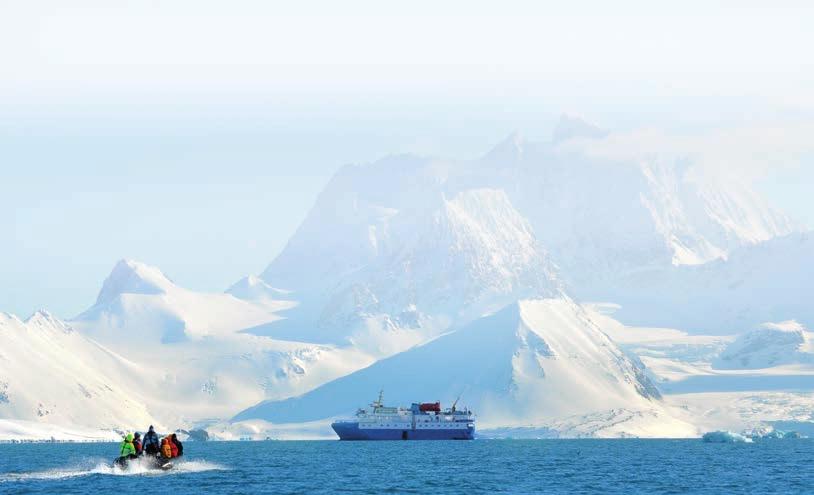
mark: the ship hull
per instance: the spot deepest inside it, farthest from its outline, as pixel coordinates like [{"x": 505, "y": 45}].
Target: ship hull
[{"x": 351, "y": 431}]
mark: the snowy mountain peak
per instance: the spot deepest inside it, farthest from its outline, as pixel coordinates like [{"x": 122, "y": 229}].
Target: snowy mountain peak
[
  {"x": 133, "y": 277},
  {"x": 509, "y": 150},
  {"x": 253, "y": 288},
  {"x": 43, "y": 319},
  {"x": 572, "y": 126},
  {"x": 474, "y": 251}
]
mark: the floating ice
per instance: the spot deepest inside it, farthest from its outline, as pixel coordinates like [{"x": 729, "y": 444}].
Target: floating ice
[
  {"x": 725, "y": 437},
  {"x": 771, "y": 434}
]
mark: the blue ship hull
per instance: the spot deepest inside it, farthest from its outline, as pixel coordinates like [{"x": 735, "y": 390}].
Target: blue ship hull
[{"x": 351, "y": 431}]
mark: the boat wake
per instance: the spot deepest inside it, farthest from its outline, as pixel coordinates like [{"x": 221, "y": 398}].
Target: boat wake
[{"x": 104, "y": 468}]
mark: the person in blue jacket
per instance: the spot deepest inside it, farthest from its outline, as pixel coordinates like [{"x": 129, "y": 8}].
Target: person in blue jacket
[{"x": 151, "y": 444}]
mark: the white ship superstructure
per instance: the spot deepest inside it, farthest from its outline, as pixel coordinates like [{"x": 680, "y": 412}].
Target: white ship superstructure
[{"x": 422, "y": 421}]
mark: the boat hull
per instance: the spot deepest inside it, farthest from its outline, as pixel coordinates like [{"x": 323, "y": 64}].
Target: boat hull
[
  {"x": 347, "y": 430},
  {"x": 147, "y": 462}
]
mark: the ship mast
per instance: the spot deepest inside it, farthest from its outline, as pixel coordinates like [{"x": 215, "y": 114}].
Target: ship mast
[{"x": 378, "y": 403}]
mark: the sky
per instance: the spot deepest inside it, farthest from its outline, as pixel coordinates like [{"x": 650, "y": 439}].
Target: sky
[{"x": 195, "y": 136}]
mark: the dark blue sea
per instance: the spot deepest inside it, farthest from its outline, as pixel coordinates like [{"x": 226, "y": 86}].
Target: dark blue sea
[{"x": 480, "y": 466}]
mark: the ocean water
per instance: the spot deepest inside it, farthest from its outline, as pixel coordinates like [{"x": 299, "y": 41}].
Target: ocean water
[{"x": 480, "y": 466}]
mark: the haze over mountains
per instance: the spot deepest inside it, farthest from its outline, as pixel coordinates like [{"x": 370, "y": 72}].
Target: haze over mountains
[{"x": 433, "y": 278}]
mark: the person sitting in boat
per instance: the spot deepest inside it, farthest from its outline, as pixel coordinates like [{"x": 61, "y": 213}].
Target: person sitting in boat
[
  {"x": 137, "y": 443},
  {"x": 151, "y": 444},
  {"x": 178, "y": 444},
  {"x": 173, "y": 446},
  {"x": 166, "y": 450},
  {"x": 127, "y": 450}
]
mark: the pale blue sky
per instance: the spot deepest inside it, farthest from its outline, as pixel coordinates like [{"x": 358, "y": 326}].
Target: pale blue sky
[{"x": 195, "y": 137}]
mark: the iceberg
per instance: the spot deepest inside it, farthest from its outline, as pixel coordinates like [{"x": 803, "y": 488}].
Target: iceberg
[
  {"x": 725, "y": 437},
  {"x": 771, "y": 434}
]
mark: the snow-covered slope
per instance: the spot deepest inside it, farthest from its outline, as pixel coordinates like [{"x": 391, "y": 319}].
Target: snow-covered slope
[
  {"x": 50, "y": 374},
  {"x": 446, "y": 262},
  {"x": 252, "y": 288},
  {"x": 773, "y": 344},
  {"x": 397, "y": 251},
  {"x": 759, "y": 379},
  {"x": 192, "y": 346},
  {"x": 769, "y": 281},
  {"x": 410, "y": 247},
  {"x": 398, "y": 262},
  {"x": 53, "y": 376},
  {"x": 474, "y": 250},
  {"x": 350, "y": 221},
  {"x": 600, "y": 218},
  {"x": 540, "y": 362}
]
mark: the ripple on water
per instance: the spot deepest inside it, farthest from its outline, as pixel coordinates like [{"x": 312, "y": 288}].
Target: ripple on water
[{"x": 479, "y": 467}]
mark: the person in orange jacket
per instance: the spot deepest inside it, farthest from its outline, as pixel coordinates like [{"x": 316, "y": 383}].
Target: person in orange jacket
[{"x": 166, "y": 449}]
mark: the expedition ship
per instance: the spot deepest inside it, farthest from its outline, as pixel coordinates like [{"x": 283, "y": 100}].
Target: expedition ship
[{"x": 422, "y": 421}]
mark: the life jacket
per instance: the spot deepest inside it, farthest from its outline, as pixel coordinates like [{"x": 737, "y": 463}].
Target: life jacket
[
  {"x": 127, "y": 448},
  {"x": 166, "y": 450},
  {"x": 173, "y": 448},
  {"x": 137, "y": 445}
]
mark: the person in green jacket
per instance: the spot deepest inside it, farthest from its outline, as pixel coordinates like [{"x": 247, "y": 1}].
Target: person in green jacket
[{"x": 128, "y": 450}]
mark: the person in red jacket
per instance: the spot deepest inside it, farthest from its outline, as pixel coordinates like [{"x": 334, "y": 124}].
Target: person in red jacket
[
  {"x": 173, "y": 447},
  {"x": 137, "y": 443},
  {"x": 178, "y": 444}
]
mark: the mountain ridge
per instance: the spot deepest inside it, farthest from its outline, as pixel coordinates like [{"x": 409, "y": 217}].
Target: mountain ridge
[
  {"x": 533, "y": 361},
  {"x": 404, "y": 259}
]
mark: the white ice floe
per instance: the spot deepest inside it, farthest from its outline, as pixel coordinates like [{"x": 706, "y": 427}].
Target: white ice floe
[{"x": 725, "y": 437}]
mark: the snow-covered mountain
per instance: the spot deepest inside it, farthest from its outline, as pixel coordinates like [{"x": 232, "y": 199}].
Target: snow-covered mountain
[
  {"x": 538, "y": 362},
  {"x": 149, "y": 352},
  {"x": 443, "y": 262},
  {"x": 774, "y": 344},
  {"x": 599, "y": 218},
  {"x": 605, "y": 218},
  {"x": 138, "y": 304},
  {"x": 197, "y": 344},
  {"x": 474, "y": 249},
  {"x": 441, "y": 277},
  {"x": 400, "y": 244},
  {"x": 53, "y": 375},
  {"x": 382, "y": 236},
  {"x": 768, "y": 281}
]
